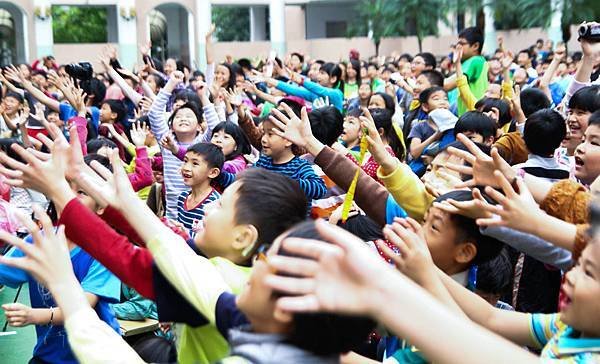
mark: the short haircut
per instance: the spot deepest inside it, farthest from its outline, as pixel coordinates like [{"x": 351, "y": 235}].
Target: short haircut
[
  {"x": 160, "y": 82},
  {"x": 326, "y": 123},
  {"x": 188, "y": 105},
  {"x": 476, "y": 122},
  {"x": 436, "y": 78},
  {"x": 294, "y": 105},
  {"x": 487, "y": 103},
  {"x": 426, "y": 94},
  {"x": 269, "y": 201},
  {"x": 586, "y": 99},
  {"x": 526, "y": 51},
  {"x": 15, "y": 96},
  {"x": 241, "y": 139},
  {"x": 186, "y": 96},
  {"x": 544, "y": 131},
  {"x": 300, "y": 57},
  {"x": 95, "y": 89},
  {"x": 428, "y": 58},
  {"x": 105, "y": 162},
  {"x": 532, "y": 100},
  {"x": 94, "y": 145},
  {"x": 390, "y": 104},
  {"x": 594, "y": 119},
  {"x": 494, "y": 276},
  {"x": 406, "y": 56},
  {"x": 362, "y": 226},
  {"x": 212, "y": 154},
  {"x": 472, "y": 35},
  {"x": 118, "y": 107},
  {"x": 468, "y": 231},
  {"x": 324, "y": 333}
]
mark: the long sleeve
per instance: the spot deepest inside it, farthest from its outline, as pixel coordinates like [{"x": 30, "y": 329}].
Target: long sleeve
[
  {"x": 252, "y": 131},
  {"x": 117, "y": 221},
  {"x": 131, "y": 264},
  {"x": 142, "y": 174},
  {"x": 225, "y": 179},
  {"x": 93, "y": 341},
  {"x": 212, "y": 120},
  {"x": 312, "y": 185},
  {"x": 135, "y": 307},
  {"x": 336, "y": 97},
  {"x": 295, "y": 90},
  {"x": 507, "y": 90},
  {"x": 532, "y": 245},
  {"x": 569, "y": 201},
  {"x": 235, "y": 165},
  {"x": 370, "y": 195},
  {"x": 192, "y": 275},
  {"x": 82, "y": 132},
  {"x": 181, "y": 150},
  {"x": 465, "y": 93},
  {"x": 408, "y": 190},
  {"x": 156, "y": 115}
]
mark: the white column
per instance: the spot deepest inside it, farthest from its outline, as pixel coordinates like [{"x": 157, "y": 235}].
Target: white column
[
  {"x": 555, "y": 29},
  {"x": 277, "y": 22},
  {"x": 44, "y": 40},
  {"x": 127, "y": 33},
  {"x": 258, "y": 23},
  {"x": 450, "y": 28},
  {"x": 490, "y": 42},
  {"x": 202, "y": 23}
]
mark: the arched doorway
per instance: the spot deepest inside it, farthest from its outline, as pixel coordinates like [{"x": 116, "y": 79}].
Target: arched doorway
[
  {"x": 170, "y": 33},
  {"x": 13, "y": 34}
]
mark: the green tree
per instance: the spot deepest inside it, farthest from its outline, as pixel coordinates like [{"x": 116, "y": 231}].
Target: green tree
[
  {"x": 79, "y": 24},
  {"x": 232, "y": 22},
  {"x": 388, "y": 18}
]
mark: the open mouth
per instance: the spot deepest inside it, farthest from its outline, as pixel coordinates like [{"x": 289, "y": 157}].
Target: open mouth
[
  {"x": 186, "y": 175},
  {"x": 579, "y": 162}
]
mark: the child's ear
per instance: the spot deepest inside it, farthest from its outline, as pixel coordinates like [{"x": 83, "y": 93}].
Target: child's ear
[
  {"x": 283, "y": 316},
  {"x": 381, "y": 132},
  {"x": 246, "y": 237},
  {"x": 214, "y": 173},
  {"x": 489, "y": 140},
  {"x": 100, "y": 211},
  {"x": 288, "y": 144},
  {"x": 465, "y": 253},
  {"x": 425, "y": 108}
]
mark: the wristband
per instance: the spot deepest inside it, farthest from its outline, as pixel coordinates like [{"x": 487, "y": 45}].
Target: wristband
[{"x": 51, "y": 316}]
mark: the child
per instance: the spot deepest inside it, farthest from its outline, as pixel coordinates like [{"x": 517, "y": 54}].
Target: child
[
  {"x": 413, "y": 111},
  {"x": 587, "y": 161},
  {"x": 477, "y": 126},
  {"x": 352, "y": 132},
  {"x": 113, "y": 112},
  {"x": 201, "y": 165},
  {"x": 544, "y": 132},
  {"x": 423, "y": 134}
]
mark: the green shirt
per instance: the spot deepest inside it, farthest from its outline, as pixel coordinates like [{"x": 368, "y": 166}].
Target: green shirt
[
  {"x": 475, "y": 68},
  {"x": 350, "y": 90}
]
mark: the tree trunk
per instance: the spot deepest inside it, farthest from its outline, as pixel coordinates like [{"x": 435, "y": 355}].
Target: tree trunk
[
  {"x": 377, "y": 43},
  {"x": 420, "y": 41}
]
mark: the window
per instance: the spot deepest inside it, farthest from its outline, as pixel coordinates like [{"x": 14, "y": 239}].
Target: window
[
  {"x": 336, "y": 29},
  {"x": 79, "y": 24}
]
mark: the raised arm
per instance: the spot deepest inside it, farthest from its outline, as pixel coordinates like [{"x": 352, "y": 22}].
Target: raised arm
[
  {"x": 156, "y": 115},
  {"x": 17, "y": 76}
]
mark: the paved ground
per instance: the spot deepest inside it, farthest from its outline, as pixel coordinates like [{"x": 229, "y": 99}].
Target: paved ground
[{"x": 16, "y": 349}]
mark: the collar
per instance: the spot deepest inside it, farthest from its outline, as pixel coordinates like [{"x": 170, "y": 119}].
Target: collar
[
  {"x": 571, "y": 343},
  {"x": 461, "y": 278}
]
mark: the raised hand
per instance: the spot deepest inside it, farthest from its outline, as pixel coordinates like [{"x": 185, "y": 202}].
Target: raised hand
[
  {"x": 168, "y": 142},
  {"x": 14, "y": 74},
  {"x": 473, "y": 209},
  {"x": 145, "y": 105},
  {"x": 139, "y": 133},
  {"x": 335, "y": 277},
  {"x": 47, "y": 259},
  {"x": 482, "y": 165},
  {"x": 296, "y": 130},
  {"x": 120, "y": 193},
  {"x": 211, "y": 31}
]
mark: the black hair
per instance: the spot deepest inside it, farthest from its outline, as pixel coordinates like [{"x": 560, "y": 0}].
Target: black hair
[
  {"x": 406, "y": 56},
  {"x": 319, "y": 61},
  {"x": 487, "y": 103},
  {"x": 324, "y": 333},
  {"x": 468, "y": 231},
  {"x": 242, "y": 144},
  {"x": 372, "y": 64},
  {"x": 188, "y": 105},
  {"x": 294, "y": 105},
  {"x": 231, "y": 83},
  {"x": 269, "y": 201},
  {"x": 362, "y": 226},
  {"x": 212, "y": 154},
  {"x": 94, "y": 145},
  {"x": 544, "y": 131},
  {"x": 334, "y": 70},
  {"x": 245, "y": 63},
  {"x": 326, "y": 123},
  {"x": 532, "y": 100},
  {"x": 486, "y": 149},
  {"x": 95, "y": 89},
  {"x": 181, "y": 66},
  {"x": 389, "y": 102},
  {"x": 355, "y": 64},
  {"x": 594, "y": 119},
  {"x": 472, "y": 35},
  {"x": 476, "y": 122},
  {"x": 187, "y": 95},
  {"x": 428, "y": 58},
  {"x": 300, "y": 57},
  {"x": 155, "y": 349},
  {"x": 160, "y": 82},
  {"x": 15, "y": 96},
  {"x": 494, "y": 276},
  {"x": 436, "y": 78},
  {"x": 117, "y": 107},
  {"x": 586, "y": 99},
  {"x": 197, "y": 73},
  {"x": 426, "y": 94},
  {"x": 527, "y": 51},
  {"x": 105, "y": 162},
  {"x": 383, "y": 120}
]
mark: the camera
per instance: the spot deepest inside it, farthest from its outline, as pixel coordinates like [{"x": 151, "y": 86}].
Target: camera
[
  {"x": 81, "y": 71},
  {"x": 589, "y": 32}
]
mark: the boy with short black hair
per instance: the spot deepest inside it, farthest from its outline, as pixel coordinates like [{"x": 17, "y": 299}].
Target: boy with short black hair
[
  {"x": 423, "y": 134},
  {"x": 201, "y": 165},
  {"x": 477, "y": 126}
]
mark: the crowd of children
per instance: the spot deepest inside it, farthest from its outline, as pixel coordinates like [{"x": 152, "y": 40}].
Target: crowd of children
[{"x": 292, "y": 210}]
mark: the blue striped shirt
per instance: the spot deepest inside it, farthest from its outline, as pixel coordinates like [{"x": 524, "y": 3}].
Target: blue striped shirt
[
  {"x": 297, "y": 169},
  {"x": 191, "y": 218}
]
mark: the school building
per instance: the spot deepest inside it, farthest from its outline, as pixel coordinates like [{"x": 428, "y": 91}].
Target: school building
[{"x": 176, "y": 28}]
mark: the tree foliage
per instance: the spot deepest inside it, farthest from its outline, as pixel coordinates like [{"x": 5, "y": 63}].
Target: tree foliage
[
  {"x": 79, "y": 24},
  {"x": 232, "y": 22}
]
